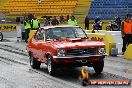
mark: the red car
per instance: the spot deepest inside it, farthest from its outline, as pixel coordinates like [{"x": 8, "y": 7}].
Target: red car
[{"x": 69, "y": 46}]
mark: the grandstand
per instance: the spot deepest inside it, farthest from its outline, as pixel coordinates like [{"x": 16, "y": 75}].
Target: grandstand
[
  {"x": 108, "y": 9},
  {"x": 47, "y": 7}
]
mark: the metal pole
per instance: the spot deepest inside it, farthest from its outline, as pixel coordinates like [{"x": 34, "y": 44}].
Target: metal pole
[
  {"x": 115, "y": 8},
  {"x": 127, "y": 7}
]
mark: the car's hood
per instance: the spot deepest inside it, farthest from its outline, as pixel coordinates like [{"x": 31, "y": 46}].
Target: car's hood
[{"x": 77, "y": 44}]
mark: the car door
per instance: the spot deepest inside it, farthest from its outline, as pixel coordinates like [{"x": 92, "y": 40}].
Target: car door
[
  {"x": 35, "y": 43},
  {"x": 41, "y": 46}
]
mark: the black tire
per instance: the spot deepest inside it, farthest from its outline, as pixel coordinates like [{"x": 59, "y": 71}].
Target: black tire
[
  {"x": 108, "y": 28},
  {"x": 84, "y": 82},
  {"x": 33, "y": 63},
  {"x": 98, "y": 66},
  {"x": 115, "y": 29},
  {"x": 1, "y": 36},
  {"x": 51, "y": 66}
]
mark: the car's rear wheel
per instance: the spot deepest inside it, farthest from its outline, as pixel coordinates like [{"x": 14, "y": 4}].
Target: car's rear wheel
[
  {"x": 51, "y": 65},
  {"x": 1, "y": 36},
  {"x": 98, "y": 66},
  {"x": 34, "y": 63}
]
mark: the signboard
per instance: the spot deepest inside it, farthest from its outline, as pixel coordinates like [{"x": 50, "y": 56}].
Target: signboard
[{"x": 8, "y": 27}]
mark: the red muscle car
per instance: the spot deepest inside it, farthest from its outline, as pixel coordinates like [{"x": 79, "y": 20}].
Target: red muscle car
[{"x": 69, "y": 46}]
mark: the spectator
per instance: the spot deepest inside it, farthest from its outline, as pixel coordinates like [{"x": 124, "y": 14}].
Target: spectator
[
  {"x": 30, "y": 16},
  {"x": 98, "y": 24},
  {"x": 47, "y": 22},
  {"x": 86, "y": 23},
  {"x": 39, "y": 1},
  {"x": 61, "y": 19},
  {"x": 97, "y": 19},
  {"x": 118, "y": 21},
  {"x": 67, "y": 17},
  {"x": 72, "y": 21},
  {"x": 55, "y": 21}
]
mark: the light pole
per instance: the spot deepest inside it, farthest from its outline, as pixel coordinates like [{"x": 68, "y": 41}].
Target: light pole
[
  {"x": 115, "y": 8},
  {"x": 127, "y": 7}
]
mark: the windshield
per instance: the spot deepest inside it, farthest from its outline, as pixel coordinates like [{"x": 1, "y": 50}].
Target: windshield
[{"x": 65, "y": 32}]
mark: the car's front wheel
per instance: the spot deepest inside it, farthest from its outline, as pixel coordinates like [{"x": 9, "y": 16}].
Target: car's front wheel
[
  {"x": 51, "y": 65},
  {"x": 98, "y": 66},
  {"x": 34, "y": 63}
]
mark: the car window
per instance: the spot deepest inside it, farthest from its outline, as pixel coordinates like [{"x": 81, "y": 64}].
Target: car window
[
  {"x": 79, "y": 33},
  {"x": 64, "y": 32},
  {"x": 39, "y": 35}
]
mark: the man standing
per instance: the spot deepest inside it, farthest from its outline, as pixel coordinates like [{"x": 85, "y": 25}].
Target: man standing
[
  {"x": 67, "y": 17},
  {"x": 27, "y": 26},
  {"x": 72, "y": 21},
  {"x": 55, "y": 21},
  {"x": 126, "y": 31},
  {"x": 61, "y": 19},
  {"x": 35, "y": 24},
  {"x": 86, "y": 23},
  {"x": 118, "y": 22}
]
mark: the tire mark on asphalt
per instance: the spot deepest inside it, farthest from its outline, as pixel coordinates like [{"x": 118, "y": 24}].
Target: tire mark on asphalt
[
  {"x": 11, "y": 60},
  {"x": 49, "y": 77},
  {"x": 13, "y": 50},
  {"x": 71, "y": 85}
]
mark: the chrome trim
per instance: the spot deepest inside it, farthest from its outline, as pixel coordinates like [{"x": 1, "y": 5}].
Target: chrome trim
[{"x": 77, "y": 57}]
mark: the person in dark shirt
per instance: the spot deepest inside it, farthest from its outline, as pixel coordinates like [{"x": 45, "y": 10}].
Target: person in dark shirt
[
  {"x": 61, "y": 19},
  {"x": 55, "y": 21},
  {"x": 118, "y": 22},
  {"x": 86, "y": 23},
  {"x": 97, "y": 19},
  {"x": 47, "y": 22},
  {"x": 67, "y": 17}
]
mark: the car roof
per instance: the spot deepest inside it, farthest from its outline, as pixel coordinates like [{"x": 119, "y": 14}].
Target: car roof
[{"x": 48, "y": 27}]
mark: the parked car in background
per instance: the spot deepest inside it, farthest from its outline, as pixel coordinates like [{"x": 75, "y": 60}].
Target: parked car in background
[{"x": 65, "y": 46}]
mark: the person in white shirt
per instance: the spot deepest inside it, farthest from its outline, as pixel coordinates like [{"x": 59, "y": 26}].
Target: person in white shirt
[{"x": 39, "y": 1}]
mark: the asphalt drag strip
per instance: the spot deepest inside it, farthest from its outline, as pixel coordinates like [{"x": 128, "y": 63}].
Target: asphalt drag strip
[
  {"x": 20, "y": 76},
  {"x": 67, "y": 77},
  {"x": 13, "y": 50}
]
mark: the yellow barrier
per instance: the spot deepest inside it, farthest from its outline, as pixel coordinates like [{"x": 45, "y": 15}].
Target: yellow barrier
[
  {"x": 31, "y": 34},
  {"x": 128, "y": 52},
  {"x": 106, "y": 38},
  {"x": 8, "y": 27}
]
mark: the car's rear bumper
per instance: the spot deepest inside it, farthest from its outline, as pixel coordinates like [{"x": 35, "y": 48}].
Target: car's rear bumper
[{"x": 77, "y": 57}]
